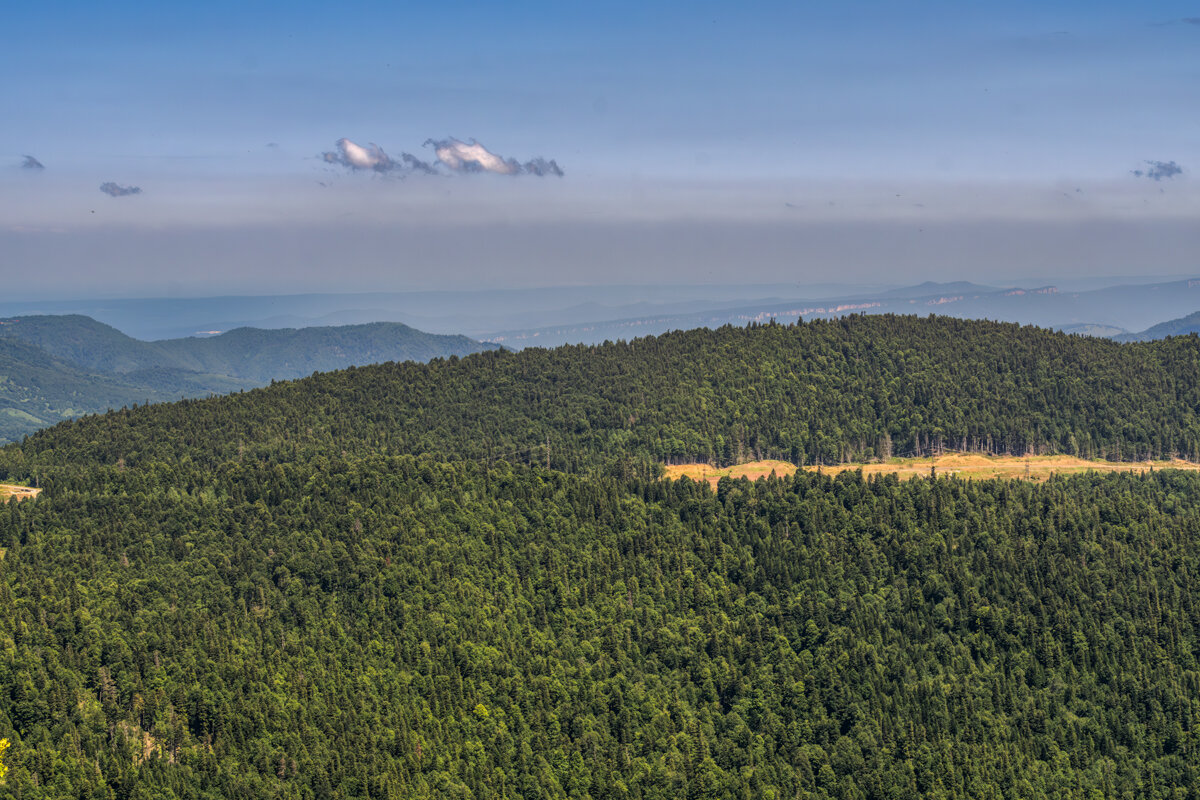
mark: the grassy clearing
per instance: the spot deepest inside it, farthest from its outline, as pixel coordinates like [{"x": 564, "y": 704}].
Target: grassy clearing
[
  {"x": 966, "y": 465},
  {"x": 8, "y": 491},
  {"x": 754, "y": 470}
]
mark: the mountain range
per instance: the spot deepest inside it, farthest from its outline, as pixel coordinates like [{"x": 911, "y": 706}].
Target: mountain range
[
  {"x": 58, "y": 366},
  {"x": 549, "y": 316},
  {"x": 1107, "y": 311},
  {"x": 1172, "y": 327}
]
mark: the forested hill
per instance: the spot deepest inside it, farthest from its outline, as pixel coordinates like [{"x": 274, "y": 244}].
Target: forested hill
[
  {"x": 1172, "y": 327},
  {"x": 37, "y": 389},
  {"x": 58, "y": 367},
  {"x": 269, "y": 595},
  {"x": 398, "y": 628},
  {"x": 816, "y": 391},
  {"x": 253, "y": 355}
]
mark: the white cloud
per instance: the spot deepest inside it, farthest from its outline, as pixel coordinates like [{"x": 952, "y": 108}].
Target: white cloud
[
  {"x": 355, "y": 156},
  {"x": 472, "y": 156}
]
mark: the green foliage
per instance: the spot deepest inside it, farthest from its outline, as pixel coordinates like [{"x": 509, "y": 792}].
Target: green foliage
[
  {"x": 406, "y": 628},
  {"x": 59, "y": 367},
  {"x": 37, "y": 390},
  {"x": 298, "y": 592},
  {"x": 816, "y": 392}
]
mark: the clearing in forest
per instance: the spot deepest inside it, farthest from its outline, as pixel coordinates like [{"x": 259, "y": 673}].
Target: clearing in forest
[
  {"x": 19, "y": 492},
  {"x": 966, "y": 465},
  {"x": 707, "y": 472}
]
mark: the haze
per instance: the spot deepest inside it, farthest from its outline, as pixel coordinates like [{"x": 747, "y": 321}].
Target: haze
[{"x": 198, "y": 150}]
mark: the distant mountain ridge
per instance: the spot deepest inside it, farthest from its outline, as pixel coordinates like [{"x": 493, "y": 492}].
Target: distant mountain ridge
[
  {"x": 548, "y": 316},
  {"x": 58, "y": 367},
  {"x": 1172, "y": 327},
  {"x": 1104, "y": 312}
]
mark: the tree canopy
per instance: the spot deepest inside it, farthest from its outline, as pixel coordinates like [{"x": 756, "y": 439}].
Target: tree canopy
[{"x": 345, "y": 587}]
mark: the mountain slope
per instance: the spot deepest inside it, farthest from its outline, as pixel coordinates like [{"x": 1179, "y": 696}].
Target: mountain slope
[
  {"x": 250, "y": 354},
  {"x": 260, "y": 356},
  {"x": 1174, "y": 327},
  {"x": 37, "y": 390},
  {"x": 85, "y": 342},
  {"x": 391, "y": 626},
  {"x": 58, "y": 367},
  {"x": 814, "y": 392}
]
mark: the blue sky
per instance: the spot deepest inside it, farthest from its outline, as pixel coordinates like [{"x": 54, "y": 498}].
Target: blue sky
[{"x": 868, "y": 121}]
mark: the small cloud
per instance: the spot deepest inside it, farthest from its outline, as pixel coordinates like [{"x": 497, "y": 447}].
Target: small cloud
[
  {"x": 452, "y": 153},
  {"x": 1158, "y": 170},
  {"x": 354, "y": 156},
  {"x": 32, "y": 163},
  {"x": 116, "y": 190},
  {"x": 1191, "y": 20},
  {"x": 471, "y": 156},
  {"x": 541, "y": 167},
  {"x": 417, "y": 165}
]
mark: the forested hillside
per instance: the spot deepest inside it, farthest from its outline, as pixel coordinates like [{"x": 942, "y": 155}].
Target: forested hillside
[
  {"x": 38, "y": 390},
  {"x": 58, "y": 367},
  {"x": 814, "y": 392},
  {"x": 1183, "y": 326},
  {"x": 345, "y": 587},
  {"x": 396, "y": 627}
]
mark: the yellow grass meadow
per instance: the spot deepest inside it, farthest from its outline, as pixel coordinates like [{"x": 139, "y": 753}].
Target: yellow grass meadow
[
  {"x": 967, "y": 465},
  {"x": 8, "y": 491}
]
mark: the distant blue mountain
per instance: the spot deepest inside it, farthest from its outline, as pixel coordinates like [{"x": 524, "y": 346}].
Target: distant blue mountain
[
  {"x": 58, "y": 367},
  {"x": 1172, "y": 327}
]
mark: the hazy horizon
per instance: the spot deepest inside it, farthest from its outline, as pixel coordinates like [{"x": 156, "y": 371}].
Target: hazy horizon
[{"x": 223, "y": 149}]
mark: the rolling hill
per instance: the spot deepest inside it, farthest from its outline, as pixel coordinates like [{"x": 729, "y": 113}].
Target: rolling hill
[
  {"x": 60, "y": 367},
  {"x": 368, "y": 583},
  {"x": 825, "y": 391},
  {"x": 37, "y": 390},
  {"x": 1173, "y": 327}
]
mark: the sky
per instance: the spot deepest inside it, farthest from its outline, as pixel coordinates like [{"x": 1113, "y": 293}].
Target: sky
[{"x": 246, "y": 147}]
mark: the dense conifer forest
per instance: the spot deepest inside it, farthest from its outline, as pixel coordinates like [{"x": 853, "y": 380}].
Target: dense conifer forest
[
  {"x": 823, "y": 391},
  {"x": 58, "y": 367},
  {"x": 370, "y": 584}
]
